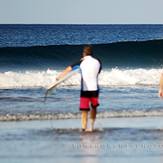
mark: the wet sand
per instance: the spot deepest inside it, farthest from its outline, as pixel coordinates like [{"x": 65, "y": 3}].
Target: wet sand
[{"x": 115, "y": 140}]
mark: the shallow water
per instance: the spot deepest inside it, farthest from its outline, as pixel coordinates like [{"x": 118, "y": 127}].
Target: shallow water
[
  {"x": 115, "y": 140},
  {"x": 28, "y": 104}
]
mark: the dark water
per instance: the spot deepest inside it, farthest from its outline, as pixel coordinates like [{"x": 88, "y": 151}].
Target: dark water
[
  {"x": 127, "y": 54},
  {"x": 44, "y": 46}
]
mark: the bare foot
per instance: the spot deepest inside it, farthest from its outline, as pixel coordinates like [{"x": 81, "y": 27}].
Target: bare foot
[
  {"x": 89, "y": 130},
  {"x": 82, "y": 130}
]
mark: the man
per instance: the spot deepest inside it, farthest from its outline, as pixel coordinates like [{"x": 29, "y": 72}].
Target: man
[
  {"x": 89, "y": 97},
  {"x": 161, "y": 86}
]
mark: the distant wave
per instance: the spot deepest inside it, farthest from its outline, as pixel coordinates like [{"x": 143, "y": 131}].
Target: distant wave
[
  {"x": 108, "y": 77},
  {"x": 119, "y": 54},
  {"x": 70, "y": 115}
]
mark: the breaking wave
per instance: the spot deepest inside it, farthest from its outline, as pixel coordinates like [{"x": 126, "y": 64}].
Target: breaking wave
[{"x": 108, "y": 77}]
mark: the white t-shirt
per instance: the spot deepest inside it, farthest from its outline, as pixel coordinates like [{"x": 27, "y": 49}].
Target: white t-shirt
[{"x": 90, "y": 68}]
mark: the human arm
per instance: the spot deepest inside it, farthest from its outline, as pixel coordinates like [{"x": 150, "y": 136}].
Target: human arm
[
  {"x": 64, "y": 72},
  {"x": 68, "y": 69},
  {"x": 161, "y": 86}
]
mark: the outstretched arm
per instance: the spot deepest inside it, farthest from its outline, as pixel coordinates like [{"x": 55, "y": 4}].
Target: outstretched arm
[
  {"x": 64, "y": 72},
  {"x": 161, "y": 86},
  {"x": 68, "y": 69}
]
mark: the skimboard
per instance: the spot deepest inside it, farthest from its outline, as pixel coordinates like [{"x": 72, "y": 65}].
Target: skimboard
[{"x": 57, "y": 83}]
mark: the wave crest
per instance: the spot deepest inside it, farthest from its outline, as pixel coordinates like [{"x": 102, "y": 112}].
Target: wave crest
[{"x": 121, "y": 54}]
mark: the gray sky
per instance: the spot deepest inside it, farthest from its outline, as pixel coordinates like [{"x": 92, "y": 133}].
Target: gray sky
[{"x": 81, "y": 11}]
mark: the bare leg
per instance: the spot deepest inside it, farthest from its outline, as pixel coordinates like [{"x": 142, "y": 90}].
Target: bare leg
[
  {"x": 84, "y": 120},
  {"x": 93, "y": 118}
]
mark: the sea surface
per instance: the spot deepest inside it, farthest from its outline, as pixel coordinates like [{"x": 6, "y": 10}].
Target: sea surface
[
  {"x": 130, "y": 111},
  {"x": 31, "y": 56}
]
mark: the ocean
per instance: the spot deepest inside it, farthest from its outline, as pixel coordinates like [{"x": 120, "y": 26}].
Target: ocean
[{"x": 31, "y": 56}]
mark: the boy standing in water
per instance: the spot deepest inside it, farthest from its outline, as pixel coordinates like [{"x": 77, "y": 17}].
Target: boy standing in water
[
  {"x": 89, "y": 96},
  {"x": 161, "y": 86}
]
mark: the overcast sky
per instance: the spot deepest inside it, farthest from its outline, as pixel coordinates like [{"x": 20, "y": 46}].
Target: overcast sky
[{"x": 81, "y": 11}]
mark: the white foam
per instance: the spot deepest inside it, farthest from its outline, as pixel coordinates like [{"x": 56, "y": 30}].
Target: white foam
[
  {"x": 70, "y": 115},
  {"x": 110, "y": 77},
  {"x": 130, "y": 77}
]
